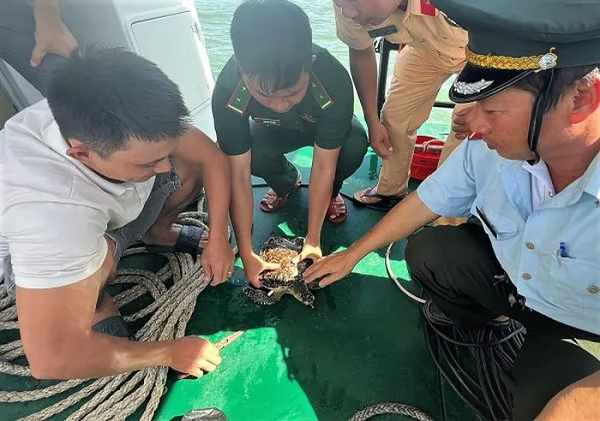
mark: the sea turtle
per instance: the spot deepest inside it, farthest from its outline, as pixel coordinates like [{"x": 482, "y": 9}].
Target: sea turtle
[{"x": 287, "y": 279}]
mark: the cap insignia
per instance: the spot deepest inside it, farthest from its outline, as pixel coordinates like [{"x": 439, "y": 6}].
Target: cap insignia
[
  {"x": 548, "y": 61},
  {"x": 470, "y": 88}
]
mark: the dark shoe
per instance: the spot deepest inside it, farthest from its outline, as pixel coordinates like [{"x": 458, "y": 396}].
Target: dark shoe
[{"x": 113, "y": 326}]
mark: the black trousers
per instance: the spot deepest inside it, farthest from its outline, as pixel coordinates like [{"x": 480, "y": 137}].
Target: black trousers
[
  {"x": 457, "y": 268},
  {"x": 270, "y": 144}
]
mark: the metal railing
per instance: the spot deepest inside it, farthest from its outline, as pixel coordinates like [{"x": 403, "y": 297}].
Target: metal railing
[{"x": 384, "y": 47}]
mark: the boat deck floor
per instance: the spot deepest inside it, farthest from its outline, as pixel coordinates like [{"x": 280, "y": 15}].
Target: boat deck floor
[{"x": 362, "y": 344}]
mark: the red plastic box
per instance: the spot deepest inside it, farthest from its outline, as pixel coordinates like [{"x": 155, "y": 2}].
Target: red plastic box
[{"x": 425, "y": 157}]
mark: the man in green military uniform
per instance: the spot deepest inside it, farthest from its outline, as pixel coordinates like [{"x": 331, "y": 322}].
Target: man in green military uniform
[{"x": 279, "y": 93}]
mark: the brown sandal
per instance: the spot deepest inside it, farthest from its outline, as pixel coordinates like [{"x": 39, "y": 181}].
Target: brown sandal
[
  {"x": 273, "y": 203},
  {"x": 337, "y": 211}
]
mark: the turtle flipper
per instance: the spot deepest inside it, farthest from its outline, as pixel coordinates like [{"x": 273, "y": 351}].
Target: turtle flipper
[
  {"x": 298, "y": 244},
  {"x": 271, "y": 283},
  {"x": 295, "y": 244},
  {"x": 314, "y": 285},
  {"x": 301, "y": 293},
  {"x": 262, "y": 297},
  {"x": 271, "y": 243}
]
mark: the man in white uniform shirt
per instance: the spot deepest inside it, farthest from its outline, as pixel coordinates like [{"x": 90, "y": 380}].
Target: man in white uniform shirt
[{"x": 107, "y": 160}]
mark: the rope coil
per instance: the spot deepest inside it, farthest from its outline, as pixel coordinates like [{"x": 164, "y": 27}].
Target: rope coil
[{"x": 390, "y": 408}]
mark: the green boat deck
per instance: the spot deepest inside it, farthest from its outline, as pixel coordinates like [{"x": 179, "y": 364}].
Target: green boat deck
[{"x": 362, "y": 344}]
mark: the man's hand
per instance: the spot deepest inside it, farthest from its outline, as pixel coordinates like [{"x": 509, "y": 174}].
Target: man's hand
[
  {"x": 380, "y": 139},
  {"x": 254, "y": 266},
  {"x": 217, "y": 260},
  {"x": 331, "y": 268},
  {"x": 309, "y": 251},
  {"x": 194, "y": 356},
  {"x": 51, "y": 36},
  {"x": 460, "y": 124}
]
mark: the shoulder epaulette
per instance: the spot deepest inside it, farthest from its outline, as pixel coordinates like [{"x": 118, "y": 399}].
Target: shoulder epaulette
[
  {"x": 240, "y": 98},
  {"x": 319, "y": 93}
]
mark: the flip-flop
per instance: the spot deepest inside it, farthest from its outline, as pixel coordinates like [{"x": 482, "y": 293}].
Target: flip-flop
[
  {"x": 188, "y": 241},
  {"x": 384, "y": 204},
  {"x": 273, "y": 203},
  {"x": 114, "y": 326},
  {"x": 337, "y": 211}
]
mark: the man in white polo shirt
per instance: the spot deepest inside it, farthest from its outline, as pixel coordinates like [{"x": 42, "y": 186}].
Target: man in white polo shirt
[{"x": 107, "y": 160}]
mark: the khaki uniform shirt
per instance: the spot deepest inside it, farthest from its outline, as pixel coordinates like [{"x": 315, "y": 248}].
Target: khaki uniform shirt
[{"x": 421, "y": 26}]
